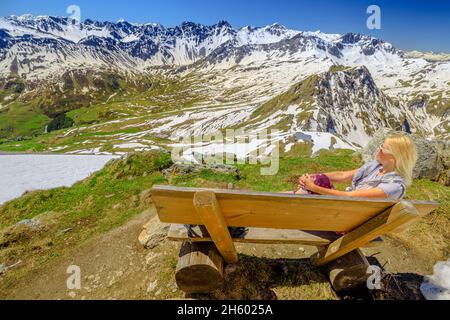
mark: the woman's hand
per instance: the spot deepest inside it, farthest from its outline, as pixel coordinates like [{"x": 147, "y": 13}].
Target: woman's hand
[{"x": 306, "y": 182}]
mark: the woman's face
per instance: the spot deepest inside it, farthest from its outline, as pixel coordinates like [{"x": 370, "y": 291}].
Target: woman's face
[{"x": 384, "y": 156}]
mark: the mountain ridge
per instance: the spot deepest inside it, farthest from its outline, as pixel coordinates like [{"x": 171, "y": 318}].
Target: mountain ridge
[
  {"x": 179, "y": 45},
  {"x": 120, "y": 70}
]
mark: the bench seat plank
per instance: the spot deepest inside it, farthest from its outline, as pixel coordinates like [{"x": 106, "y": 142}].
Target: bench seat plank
[{"x": 179, "y": 232}]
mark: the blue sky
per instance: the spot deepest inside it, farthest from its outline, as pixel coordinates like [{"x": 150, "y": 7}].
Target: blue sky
[{"x": 407, "y": 24}]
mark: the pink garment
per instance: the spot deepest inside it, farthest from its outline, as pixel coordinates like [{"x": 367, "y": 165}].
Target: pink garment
[{"x": 320, "y": 180}]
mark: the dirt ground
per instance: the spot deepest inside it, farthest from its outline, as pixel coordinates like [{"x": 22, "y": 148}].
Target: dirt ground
[{"x": 116, "y": 266}]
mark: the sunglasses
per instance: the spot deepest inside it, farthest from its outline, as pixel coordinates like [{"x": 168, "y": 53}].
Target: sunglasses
[{"x": 384, "y": 150}]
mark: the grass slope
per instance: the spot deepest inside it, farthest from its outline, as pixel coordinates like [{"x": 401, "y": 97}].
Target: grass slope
[
  {"x": 88, "y": 100},
  {"x": 109, "y": 198}
]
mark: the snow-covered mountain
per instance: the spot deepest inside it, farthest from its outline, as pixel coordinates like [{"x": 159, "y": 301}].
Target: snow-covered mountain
[
  {"x": 37, "y": 47},
  {"x": 25, "y": 39},
  {"x": 61, "y": 40},
  {"x": 242, "y": 68}
]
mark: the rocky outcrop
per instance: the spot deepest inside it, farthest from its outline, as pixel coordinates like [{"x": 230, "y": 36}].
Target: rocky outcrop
[
  {"x": 443, "y": 147},
  {"x": 154, "y": 233},
  {"x": 350, "y": 99},
  {"x": 433, "y": 156},
  {"x": 30, "y": 223},
  {"x": 343, "y": 101},
  {"x": 3, "y": 269}
]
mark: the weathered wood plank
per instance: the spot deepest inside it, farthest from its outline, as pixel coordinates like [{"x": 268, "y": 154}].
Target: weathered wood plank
[
  {"x": 273, "y": 210},
  {"x": 389, "y": 220},
  {"x": 424, "y": 207},
  {"x": 209, "y": 211},
  {"x": 179, "y": 232}
]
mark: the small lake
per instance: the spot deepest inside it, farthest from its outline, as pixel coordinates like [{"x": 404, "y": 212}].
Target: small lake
[{"x": 26, "y": 172}]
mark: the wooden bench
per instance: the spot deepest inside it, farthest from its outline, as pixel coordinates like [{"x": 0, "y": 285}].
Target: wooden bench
[{"x": 276, "y": 218}]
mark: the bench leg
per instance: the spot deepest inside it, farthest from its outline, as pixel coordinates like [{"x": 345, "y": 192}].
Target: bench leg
[
  {"x": 207, "y": 207},
  {"x": 390, "y": 219},
  {"x": 348, "y": 272},
  {"x": 199, "y": 268}
]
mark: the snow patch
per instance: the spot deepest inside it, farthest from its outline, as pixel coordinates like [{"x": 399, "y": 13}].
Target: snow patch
[
  {"x": 35, "y": 172},
  {"x": 437, "y": 286}
]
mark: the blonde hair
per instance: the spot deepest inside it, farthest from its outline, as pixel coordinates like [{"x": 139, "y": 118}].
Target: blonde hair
[{"x": 404, "y": 151}]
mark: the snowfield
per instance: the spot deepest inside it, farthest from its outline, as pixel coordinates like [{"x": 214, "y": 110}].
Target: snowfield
[
  {"x": 254, "y": 145},
  {"x": 20, "y": 173}
]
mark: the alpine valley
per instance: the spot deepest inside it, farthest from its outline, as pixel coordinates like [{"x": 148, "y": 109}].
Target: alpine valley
[{"x": 102, "y": 87}]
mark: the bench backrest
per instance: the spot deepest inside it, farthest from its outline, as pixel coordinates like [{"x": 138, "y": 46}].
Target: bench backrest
[{"x": 275, "y": 210}]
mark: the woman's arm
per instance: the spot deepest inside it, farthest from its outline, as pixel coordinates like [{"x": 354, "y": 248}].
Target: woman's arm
[
  {"x": 308, "y": 184},
  {"x": 366, "y": 193},
  {"x": 341, "y": 176}
]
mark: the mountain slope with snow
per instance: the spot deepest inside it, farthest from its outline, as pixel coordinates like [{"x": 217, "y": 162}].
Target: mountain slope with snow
[
  {"x": 357, "y": 82},
  {"x": 342, "y": 101}
]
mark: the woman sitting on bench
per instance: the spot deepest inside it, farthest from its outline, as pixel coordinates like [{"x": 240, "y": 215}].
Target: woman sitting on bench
[{"x": 386, "y": 177}]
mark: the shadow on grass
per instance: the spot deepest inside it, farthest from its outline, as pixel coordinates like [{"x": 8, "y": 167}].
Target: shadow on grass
[
  {"x": 254, "y": 278},
  {"x": 397, "y": 286},
  {"x": 394, "y": 286}
]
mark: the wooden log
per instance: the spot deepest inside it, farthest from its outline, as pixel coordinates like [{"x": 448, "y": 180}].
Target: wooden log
[
  {"x": 199, "y": 268},
  {"x": 349, "y": 271}
]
